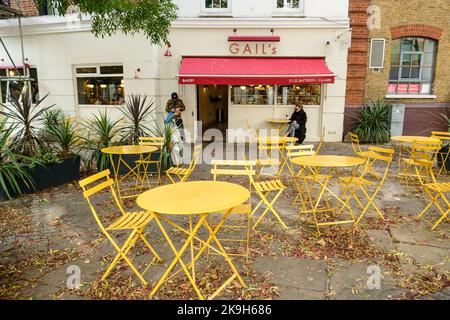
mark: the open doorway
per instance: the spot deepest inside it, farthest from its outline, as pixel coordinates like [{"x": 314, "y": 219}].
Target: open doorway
[{"x": 213, "y": 108}]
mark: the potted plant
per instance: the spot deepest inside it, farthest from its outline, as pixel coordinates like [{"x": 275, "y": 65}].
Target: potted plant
[
  {"x": 25, "y": 117},
  {"x": 166, "y": 131},
  {"x": 374, "y": 125},
  {"x": 102, "y": 132},
  {"x": 64, "y": 142},
  {"x": 136, "y": 112},
  {"x": 13, "y": 175}
]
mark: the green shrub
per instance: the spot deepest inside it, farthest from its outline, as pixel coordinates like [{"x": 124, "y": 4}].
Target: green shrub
[{"x": 374, "y": 124}]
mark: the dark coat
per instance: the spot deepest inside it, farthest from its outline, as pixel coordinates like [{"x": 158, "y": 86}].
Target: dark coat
[{"x": 300, "y": 117}]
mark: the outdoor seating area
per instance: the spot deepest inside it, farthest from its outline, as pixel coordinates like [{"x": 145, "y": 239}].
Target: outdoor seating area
[{"x": 225, "y": 228}]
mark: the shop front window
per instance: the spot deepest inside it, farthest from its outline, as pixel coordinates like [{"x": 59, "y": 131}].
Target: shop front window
[
  {"x": 253, "y": 95},
  {"x": 305, "y": 95},
  {"x": 412, "y": 66},
  {"x": 105, "y": 86},
  {"x": 11, "y": 87}
]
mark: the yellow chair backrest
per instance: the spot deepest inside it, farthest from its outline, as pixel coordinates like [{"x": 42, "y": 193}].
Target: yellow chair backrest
[
  {"x": 441, "y": 135},
  {"x": 244, "y": 168},
  {"x": 322, "y": 139},
  {"x": 196, "y": 156},
  {"x": 425, "y": 151},
  {"x": 95, "y": 184},
  {"x": 151, "y": 141},
  {"x": 300, "y": 151},
  {"x": 354, "y": 138},
  {"x": 271, "y": 143}
]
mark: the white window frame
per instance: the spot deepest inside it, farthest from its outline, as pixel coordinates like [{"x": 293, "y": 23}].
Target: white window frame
[
  {"x": 98, "y": 74},
  {"x": 371, "y": 51},
  {"x": 297, "y": 11},
  {"x": 215, "y": 11}
]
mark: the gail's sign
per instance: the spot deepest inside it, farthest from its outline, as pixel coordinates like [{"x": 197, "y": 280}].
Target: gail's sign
[{"x": 253, "y": 48}]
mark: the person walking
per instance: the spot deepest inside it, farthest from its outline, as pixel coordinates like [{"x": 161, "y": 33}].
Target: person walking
[{"x": 175, "y": 107}]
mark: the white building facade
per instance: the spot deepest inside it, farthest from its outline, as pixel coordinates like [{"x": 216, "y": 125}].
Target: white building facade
[{"x": 269, "y": 55}]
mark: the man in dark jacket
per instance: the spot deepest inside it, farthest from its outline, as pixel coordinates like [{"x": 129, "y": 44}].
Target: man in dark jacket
[
  {"x": 298, "y": 124},
  {"x": 175, "y": 107}
]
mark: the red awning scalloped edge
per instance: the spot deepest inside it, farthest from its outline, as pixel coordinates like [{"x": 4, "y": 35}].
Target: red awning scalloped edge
[
  {"x": 254, "y": 71},
  {"x": 283, "y": 80}
]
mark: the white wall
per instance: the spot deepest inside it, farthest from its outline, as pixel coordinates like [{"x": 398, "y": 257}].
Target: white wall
[
  {"x": 54, "y": 49},
  {"x": 267, "y": 8}
]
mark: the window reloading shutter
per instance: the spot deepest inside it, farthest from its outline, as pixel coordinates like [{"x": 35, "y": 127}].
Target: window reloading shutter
[{"x": 377, "y": 53}]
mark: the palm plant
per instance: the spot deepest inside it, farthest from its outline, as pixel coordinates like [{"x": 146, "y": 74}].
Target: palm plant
[
  {"x": 13, "y": 175},
  {"x": 166, "y": 131},
  {"x": 136, "y": 112},
  {"x": 65, "y": 134},
  {"x": 25, "y": 115},
  {"x": 101, "y": 133},
  {"x": 374, "y": 124}
]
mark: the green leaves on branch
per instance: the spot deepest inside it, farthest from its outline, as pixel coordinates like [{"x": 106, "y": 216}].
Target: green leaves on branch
[{"x": 151, "y": 17}]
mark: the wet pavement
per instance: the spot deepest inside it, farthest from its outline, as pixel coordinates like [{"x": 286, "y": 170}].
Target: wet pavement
[{"x": 49, "y": 239}]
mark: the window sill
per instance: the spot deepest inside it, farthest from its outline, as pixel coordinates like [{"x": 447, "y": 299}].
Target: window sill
[
  {"x": 222, "y": 14},
  {"x": 293, "y": 14},
  {"x": 410, "y": 96}
]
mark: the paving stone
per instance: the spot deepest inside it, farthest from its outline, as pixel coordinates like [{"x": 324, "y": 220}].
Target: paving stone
[
  {"x": 289, "y": 293},
  {"x": 349, "y": 282},
  {"x": 413, "y": 233},
  {"x": 442, "y": 295},
  {"x": 306, "y": 274},
  {"x": 438, "y": 258},
  {"x": 382, "y": 239}
]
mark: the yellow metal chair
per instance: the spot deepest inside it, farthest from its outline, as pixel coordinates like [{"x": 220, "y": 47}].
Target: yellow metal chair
[
  {"x": 237, "y": 168},
  {"x": 146, "y": 163},
  {"x": 444, "y": 137},
  {"x": 384, "y": 158},
  {"x": 435, "y": 190},
  {"x": 356, "y": 145},
  {"x": 271, "y": 153},
  {"x": 426, "y": 153},
  {"x": 178, "y": 174},
  {"x": 319, "y": 147},
  {"x": 307, "y": 180},
  {"x": 264, "y": 190},
  {"x": 133, "y": 222}
]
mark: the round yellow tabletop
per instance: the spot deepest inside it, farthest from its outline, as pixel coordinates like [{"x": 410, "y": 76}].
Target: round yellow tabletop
[
  {"x": 276, "y": 139},
  {"x": 328, "y": 161},
  {"x": 411, "y": 139},
  {"x": 193, "y": 198},
  {"x": 129, "y": 150},
  {"x": 279, "y": 121}
]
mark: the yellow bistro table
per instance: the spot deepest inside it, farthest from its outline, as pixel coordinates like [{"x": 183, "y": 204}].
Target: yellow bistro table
[
  {"x": 133, "y": 171},
  {"x": 314, "y": 164},
  {"x": 408, "y": 140},
  {"x": 278, "y": 124},
  {"x": 195, "y": 200},
  {"x": 283, "y": 143}
]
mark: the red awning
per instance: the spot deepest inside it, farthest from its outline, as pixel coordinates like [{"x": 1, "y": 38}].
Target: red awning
[{"x": 255, "y": 70}]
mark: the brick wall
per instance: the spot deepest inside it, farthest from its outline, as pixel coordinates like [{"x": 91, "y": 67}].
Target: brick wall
[
  {"x": 26, "y": 6},
  {"x": 357, "y": 59},
  {"x": 401, "y": 18},
  {"x": 416, "y": 17}
]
